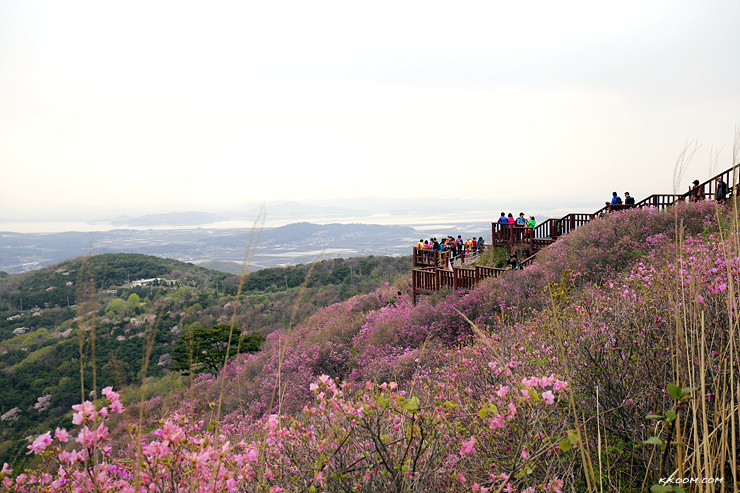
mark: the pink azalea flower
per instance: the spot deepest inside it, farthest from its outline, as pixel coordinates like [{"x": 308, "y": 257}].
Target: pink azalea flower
[
  {"x": 503, "y": 391},
  {"x": 547, "y": 381},
  {"x": 86, "y": 437},
  {"x": 548, "y": 396},
  {"x": 556, "y": 485},
  {"x": 41, "y": 442},
  {"x": 84, "y": 410},
  {"x": 116, "y": 406},
  {"x": 272, "y": 422},
  {"x": 251, "y": 454},
  {"x": 61, "y": 434},
  {"x": 559, "y": 385},
  {"x": 70, "y": 457},
  {"x": 468, "y": 447},
  {"x": 497, "y": 423},
  {"x": 525, "y": 454},
  {"x": 171, "y": 432}
]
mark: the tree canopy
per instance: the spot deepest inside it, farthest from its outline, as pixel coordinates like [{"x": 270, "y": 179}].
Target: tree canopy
[{"x": 203, "y": 349}]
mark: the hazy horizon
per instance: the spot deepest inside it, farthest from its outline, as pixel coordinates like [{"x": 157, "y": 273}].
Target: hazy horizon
[{"x": 416, "y": 213}]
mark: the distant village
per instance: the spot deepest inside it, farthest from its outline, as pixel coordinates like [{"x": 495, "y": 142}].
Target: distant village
[{"x": 157, "y": 281}]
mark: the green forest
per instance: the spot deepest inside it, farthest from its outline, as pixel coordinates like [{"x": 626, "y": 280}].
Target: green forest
[{"x": 84, "y": 317}]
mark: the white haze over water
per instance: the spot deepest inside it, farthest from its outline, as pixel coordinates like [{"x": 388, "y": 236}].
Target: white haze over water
[
  {"x": 413, "y": 220},
  {"x": 421, "y": 221}
]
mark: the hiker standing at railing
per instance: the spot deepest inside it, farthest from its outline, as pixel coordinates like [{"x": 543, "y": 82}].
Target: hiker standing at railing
[
  {"x": 481, "y": 245},
  {"x": 503, "y": 219},
  {"x": 521, "y": 221},
  {"x": 696, "y": 194},
  {"x": 530, "y": 225},
  {"x": 521, "y": 224},
  {"x": 722, "y": 190},
  {"x": 628, "y": 199},
  {"x": 616, "y": 199}
]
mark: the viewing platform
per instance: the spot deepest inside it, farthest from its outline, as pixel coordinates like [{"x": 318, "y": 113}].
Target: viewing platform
[{"x": 436, "y": 270}]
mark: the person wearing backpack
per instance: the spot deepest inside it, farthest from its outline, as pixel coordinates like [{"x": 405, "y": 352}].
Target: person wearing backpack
[{"x": 616, "y": 199}]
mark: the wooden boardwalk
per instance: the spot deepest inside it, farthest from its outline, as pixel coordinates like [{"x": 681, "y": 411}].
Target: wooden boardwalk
[{"x": 435, "y": 270}]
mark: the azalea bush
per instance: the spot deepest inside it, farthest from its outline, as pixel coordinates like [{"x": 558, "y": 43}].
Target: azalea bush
[
  {"x": 381, "y": 439},
  {"x": 610, "y": 363}
]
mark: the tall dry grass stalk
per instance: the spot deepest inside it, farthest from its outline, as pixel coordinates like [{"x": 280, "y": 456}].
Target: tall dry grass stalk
[
  {"x": 254, "y": 236},
  {"x": 557, "y": 300},
  {"x": 706, "y": 425},
  {"x": 86, "y": 309}
]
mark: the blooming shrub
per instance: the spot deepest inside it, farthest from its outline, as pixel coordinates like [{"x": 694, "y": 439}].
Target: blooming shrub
[{"x": 577, "y": 373}]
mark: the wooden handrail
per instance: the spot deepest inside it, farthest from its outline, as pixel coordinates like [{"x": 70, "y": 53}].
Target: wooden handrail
[{"x": 424, "y": 257}]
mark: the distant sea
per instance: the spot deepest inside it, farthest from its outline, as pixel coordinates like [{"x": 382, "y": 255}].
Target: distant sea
[{"x": 422, "y": 222}]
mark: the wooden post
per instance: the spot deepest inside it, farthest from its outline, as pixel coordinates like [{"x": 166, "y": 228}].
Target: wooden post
[{"x": 413, "y": 287}]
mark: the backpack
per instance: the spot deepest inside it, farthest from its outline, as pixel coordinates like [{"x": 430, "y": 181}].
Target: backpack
[{"x": 619, "y": 200}]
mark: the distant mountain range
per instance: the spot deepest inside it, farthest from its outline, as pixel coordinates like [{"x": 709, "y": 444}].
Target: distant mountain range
[
  {"x": 335, "y": 230},
  {"x": 269, "y": 247},
  {"x": 277, "y": 210}
]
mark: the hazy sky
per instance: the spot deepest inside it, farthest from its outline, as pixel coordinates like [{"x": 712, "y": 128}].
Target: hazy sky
[{"x": 174, "y": 105}]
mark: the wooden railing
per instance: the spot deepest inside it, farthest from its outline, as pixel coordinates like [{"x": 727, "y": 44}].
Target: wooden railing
[
  {"x": 432, "y": 279},
  {"x": 731, "y": 177},
  {"x": 424, "y": 257},
  {"x": 505, "y": 234}
]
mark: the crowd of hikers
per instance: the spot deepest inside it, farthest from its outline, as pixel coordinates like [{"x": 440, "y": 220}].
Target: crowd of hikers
[{"x": 458, "y": 247}]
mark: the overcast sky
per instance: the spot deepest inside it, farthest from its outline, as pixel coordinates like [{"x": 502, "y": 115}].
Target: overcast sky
[{"x": 164, "y": 106}]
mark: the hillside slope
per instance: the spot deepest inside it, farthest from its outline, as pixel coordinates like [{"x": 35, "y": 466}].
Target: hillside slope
[
  {"x": 570, "y": 374},
  {"x": 86, "y": 315}
]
